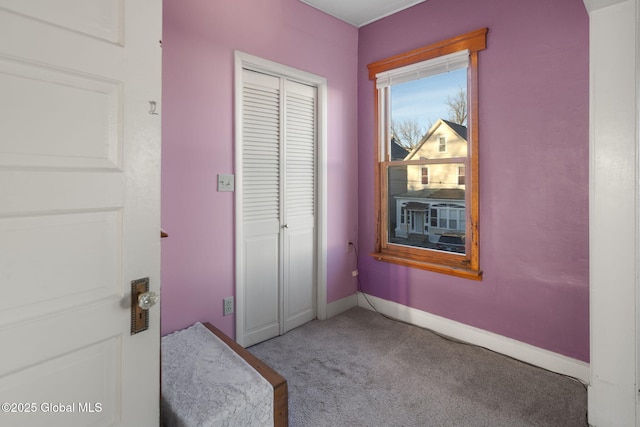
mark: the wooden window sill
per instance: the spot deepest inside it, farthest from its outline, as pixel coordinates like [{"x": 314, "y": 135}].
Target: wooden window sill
[{"x": 423, "y": 265}]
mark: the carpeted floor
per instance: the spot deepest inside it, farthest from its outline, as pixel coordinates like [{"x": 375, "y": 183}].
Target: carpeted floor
[{"x": 361, "y": 369}]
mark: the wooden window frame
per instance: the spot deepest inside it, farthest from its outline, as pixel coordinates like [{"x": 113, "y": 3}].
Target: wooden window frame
[{"x": 461, "y": 265}]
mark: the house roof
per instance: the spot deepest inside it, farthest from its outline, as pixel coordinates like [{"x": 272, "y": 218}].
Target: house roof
[
  {"x": 398, "y": 152},
  {"x": 457, "y": 128},
  {"x": 448, "y": 193},
  {"x": 416, "y": 206},
  {"x": 434, "y": 193}
]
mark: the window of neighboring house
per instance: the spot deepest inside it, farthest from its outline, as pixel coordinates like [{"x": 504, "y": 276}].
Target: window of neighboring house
[
  {"x": 451, "y": 218},
  {"x": 442, "y": 144},
  {"x": 433, "y": 191}
]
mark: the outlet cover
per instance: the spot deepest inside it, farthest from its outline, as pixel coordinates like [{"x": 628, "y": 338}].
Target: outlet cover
[{"x": 227, "y": 308}]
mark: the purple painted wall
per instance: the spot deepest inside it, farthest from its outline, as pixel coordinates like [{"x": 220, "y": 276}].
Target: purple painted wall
[
  {"x": 534, "y": 98},
  {"x": 199, "y": 39},
  {"x": 533, "y": 158}
]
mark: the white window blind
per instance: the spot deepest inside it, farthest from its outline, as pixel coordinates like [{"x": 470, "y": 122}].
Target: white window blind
[{"x": 431, "y": 67}]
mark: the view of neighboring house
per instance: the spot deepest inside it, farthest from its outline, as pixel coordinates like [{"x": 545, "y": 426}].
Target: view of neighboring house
[{"x": 432, "y": 199}]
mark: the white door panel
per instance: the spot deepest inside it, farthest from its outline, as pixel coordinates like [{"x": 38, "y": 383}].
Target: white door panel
[
  {"x": 300, "y": 275},
  {"x": 261, "y": 279},
  {"x": 35, "y": 92},
  {"x": 259, "y": 185},
  {"x": 49, "y": 192},
  {"x": 102, "y": 19},
  {"x": 300, "y": 205},
  {"x": 82, "y": 368},
  {"x": 79, "y": 209},
  {"x": 82, "y": 275}
]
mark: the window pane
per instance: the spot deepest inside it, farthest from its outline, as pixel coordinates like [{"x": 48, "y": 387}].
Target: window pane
[
  {"x": 418, "y": 105},
  {"x": 428, "y": 122},
  {"x": 419, "y": 215},
  {"x": 443, "y": 221},
  {"x": 425, "y": 175},
  {"x": 442, "y": 147},
  {"x": 461, "y": 175}
]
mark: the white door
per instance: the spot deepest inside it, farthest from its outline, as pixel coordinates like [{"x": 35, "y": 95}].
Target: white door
[
  {"x": 298, "y": 211},
  {"x": 79, "y": 210},
  {"x": 277, "y": 205}
]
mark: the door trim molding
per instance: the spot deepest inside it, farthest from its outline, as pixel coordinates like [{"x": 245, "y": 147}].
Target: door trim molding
[
  {"x": 614, "y": 169},
  {"x": 255, "y": 63}
]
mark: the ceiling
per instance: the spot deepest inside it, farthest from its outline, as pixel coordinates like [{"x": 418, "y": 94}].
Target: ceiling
[{"x": 361, "y": 12}]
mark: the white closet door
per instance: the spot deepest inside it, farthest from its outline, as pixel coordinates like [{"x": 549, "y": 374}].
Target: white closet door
[
  {"x": 278, "y": 191},
  {"x": 261, "y": 187},
  {"x": 299, "y": 205}
]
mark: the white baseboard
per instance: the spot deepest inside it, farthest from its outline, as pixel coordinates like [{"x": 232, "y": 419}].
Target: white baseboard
[
  {"x": 342, "y": 305},
  {"x": 518, "y": 350}
]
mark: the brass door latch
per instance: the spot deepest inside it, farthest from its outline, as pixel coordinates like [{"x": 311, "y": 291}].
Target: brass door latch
[{"x": 141, "y": 301}]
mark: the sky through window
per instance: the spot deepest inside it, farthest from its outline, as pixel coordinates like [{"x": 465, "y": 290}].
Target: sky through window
[{"x": 425, "y": 100}]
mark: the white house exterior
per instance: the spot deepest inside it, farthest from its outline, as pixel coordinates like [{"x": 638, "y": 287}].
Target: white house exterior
[{"x": 434, "y": 202}]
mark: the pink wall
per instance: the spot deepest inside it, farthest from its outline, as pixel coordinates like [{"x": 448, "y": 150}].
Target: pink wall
[
  {"x": 534, "y": 158},
  {"x": 199, "y": 39},
  {"x": 534, "y": 170}
]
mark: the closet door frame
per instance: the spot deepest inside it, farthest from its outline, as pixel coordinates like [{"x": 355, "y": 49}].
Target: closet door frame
[{"x": 254, "y": 63}]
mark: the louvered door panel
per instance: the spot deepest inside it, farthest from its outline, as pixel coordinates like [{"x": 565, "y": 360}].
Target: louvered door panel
[
  {"x": 299, "y": 212},
  {"x": 300, "y": 150},
  {"x": 261, "y": 135},
  {"x": 261, "y": 148}
]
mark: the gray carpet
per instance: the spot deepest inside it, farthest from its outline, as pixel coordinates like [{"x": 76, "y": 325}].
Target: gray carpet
[{"x": 361, "y": 369}]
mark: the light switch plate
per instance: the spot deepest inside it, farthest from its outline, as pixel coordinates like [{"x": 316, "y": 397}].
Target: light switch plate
[{"x": 226, "y": 182}]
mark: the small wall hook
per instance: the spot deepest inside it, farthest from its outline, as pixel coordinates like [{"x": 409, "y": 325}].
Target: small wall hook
[{"x": 153, "y": 105}]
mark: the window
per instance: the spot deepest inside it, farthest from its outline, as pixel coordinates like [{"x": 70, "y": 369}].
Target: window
[
  {"x": 442, "y": 144},
  {"x": 431, "y": 194},
  {"x": 448, "y": 217}
]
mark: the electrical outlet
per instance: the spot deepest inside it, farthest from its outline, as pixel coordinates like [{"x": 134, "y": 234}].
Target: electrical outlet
[{"x": 227, "y": 307}]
